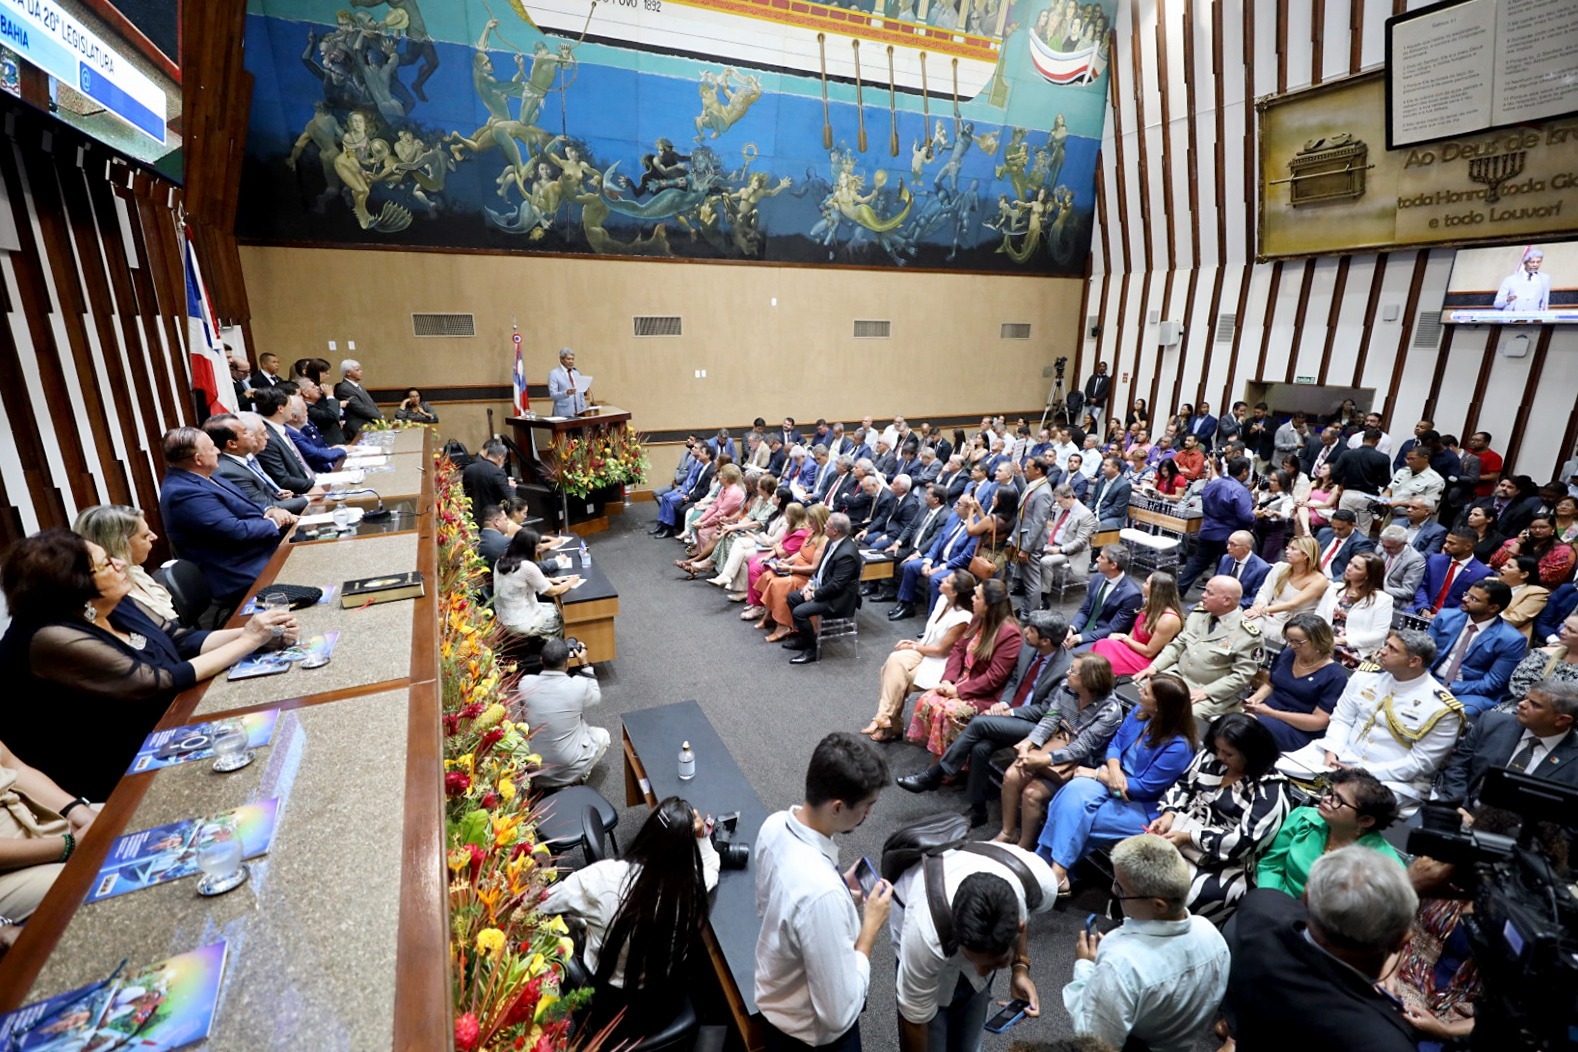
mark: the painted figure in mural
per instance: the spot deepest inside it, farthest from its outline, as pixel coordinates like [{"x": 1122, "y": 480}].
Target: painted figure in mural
[
  {"x": 1060, "y": 239},
  {"x": 741, "y": 208},
  {"x": 702, "y": 180},
  {"x": 663, "y": 169},
  {"x": 323, "y": 131},
  {"x": 983, "y": 17},
  {"x": 329, "y": 60},
  {"x": 948, "y": 174},
  {"x": 418, "y": 45},
  {"x": 501, "y": 129},
  {"x": 574, "y": 171},
  {"x": 1035, "y": 211},
  {"x": 987, "y": 143},
  {"x": 428, "y": 166},
  {"x": 857, "y": 208},
  {"x": 594, "y": 213},
  {"x": 926, "y": 150},
  {"x": 363, "y": 162},
  {"x": 1016, "y": 158},
  {"x": 377, "y": 67},
  {"x": 966, "y": 207},
  {"x": 1057, "y": 148},
  {"x": 545, "y": 65},
  {"x": 718, "y": 116}
]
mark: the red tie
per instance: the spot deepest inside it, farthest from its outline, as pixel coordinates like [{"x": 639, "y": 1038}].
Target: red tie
[
  {"x": 1446, "y": 586},
  {"x": 1028, "y": 684},
  {"x": 1331, "y": 553},
  {"x": 1061, "y": 520}
]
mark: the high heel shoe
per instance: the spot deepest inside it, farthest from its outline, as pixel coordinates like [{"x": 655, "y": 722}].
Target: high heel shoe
[{"x": 777, "y": 637}]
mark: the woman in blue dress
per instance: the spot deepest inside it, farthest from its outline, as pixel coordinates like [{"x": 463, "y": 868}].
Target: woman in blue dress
[{"x": 1153, "y": 748}]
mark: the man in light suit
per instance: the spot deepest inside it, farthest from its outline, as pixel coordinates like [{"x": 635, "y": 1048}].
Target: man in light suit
[
  {"x": 885, "y": 462},
  {"x": 1340, "y": 542},
  {"x": 210, "y": 521},
  {"x": 553, "y": 704},
  {"x": 1112, "y": 601},
  {"x": 1070, "y": 528},
  {"x": 1043, "y": 665},
  {"x": 565, "y": 387},
  {"x": 279, "y": 456},
  {"x": 1109, "y": 496},
  {"x": 833, "y": 591},
  {"x": 358, "y": 406},
  {"x": 1029, "y": 535},
  {"x": 1405, "y": 565},
  {"x": 951, "y": 549},
  {"x": 238, "y": 439},
  {"x": 1537, "y": 739},
  {"x": 1243, "y": 565},
  {"x": 1423, "y": 533},
  {"x": 1477, "y": 649},
  {"x": 1449, "y": 574}
]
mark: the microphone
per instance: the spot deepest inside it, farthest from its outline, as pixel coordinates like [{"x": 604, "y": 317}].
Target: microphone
[{"x": 378, "y": 514}]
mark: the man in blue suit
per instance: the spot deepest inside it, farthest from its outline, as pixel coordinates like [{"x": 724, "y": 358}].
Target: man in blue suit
[
  {"x": 1244, "y": 565},
  {"x": 1427, "y": 535},
  {"x": 1112, "y": 601},
  {"x": 1203, "y": 426},
  {"x": 1478, "y": 650},
  {"x": 210, "y": 521},
  {"x": 1340, "y": 542},
  {"x": 309, "y": 440},
  {"x": 950, "y": 551},
  {"x": 1449, "y": 573}
]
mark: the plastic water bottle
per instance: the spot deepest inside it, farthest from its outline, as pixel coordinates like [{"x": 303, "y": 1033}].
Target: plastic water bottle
[
  {"x": 687, "y": 762},
  {"x": 586, "y": 555}
]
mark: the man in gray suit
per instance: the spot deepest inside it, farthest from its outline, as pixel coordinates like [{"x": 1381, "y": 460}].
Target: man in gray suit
[
  {"x": 1029, "y": 535},
  {"x": 1536, "y": 739},
  {"x": 553, "y": 704},
  {"x": 1405, "y": 565},
  {"x": 359, "y": 407},
  {"x": 1109, "y": 496},
  {"x": 1069, "y": 530}
]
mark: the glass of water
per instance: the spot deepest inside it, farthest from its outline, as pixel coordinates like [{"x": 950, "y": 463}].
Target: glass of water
[
  {"x": 230, "y": 747},
  {"x": 342, "y": 516},
  {"x": 275, "y": 601},
  {"x": 220, "y": 862}
]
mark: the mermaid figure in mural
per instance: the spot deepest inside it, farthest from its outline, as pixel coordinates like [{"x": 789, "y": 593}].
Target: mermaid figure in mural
[
  {"x": 595, "y": 212},
  {"x": 1035, "y": 210},
  {"x": 1057, "y": 149},
  {"x": 668, "y": 201},
  {"x": 1016, "y": 158},
  {"x": 717, "y": 116},
  {"x": 742, "y": 211},
  {"x": 1061, "y": 239},
  {"x": 426, "y": 166},
  {"x": 363, "y": 162}
]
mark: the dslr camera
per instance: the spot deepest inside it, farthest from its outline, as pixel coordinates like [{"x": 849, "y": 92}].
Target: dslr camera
[
  {"x": 732, "y": 853},
  {"x": 1061, "y": 365}
]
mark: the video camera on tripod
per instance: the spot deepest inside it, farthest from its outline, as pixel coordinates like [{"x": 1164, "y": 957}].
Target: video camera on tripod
[{"x": 1523, "y": 932}]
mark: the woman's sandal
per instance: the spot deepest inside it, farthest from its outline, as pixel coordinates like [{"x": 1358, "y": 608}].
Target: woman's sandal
[
  {"x": 886, "y": 737},
  {"x": 778, "y": 636}
]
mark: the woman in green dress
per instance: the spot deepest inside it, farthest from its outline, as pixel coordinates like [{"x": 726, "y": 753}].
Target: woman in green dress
[
  {"x": 1354, "y": 809},
  {"x": 761, "y": 509}
]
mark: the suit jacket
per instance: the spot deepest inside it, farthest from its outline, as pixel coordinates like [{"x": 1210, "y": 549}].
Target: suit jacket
[
  {"x": 839, "y": 586},
  {"x": 1525, "y": 607},
  {"x": 1097, "y": 387},
  {"x": 900, "y": 514},
  {"x": 919, "y": 534},
  {"x": 1355, "y": 543},
  {"x": 1402, "y": 580},
  {"x": 839, "y": 489},
  {"x": 1435, "y": 573},
  {"x": 1114, "y": 505},
  {"x": 926, "y": 473},
  {"x": 702, "y": 484},
  {"x": 881, "y": 510},
  {"x": 1312, "y": 453},
  {"x": 1030, "y": 525},
  {"x": 360, "y": 409},
  {"x": 324, "y": 414},
  {"x": 775, "y": 463},
  {"x": 1117, "y": 614},
  {"x": 963, "y": 547},
  {"x": 825, "y": 476},
  {"x": 1077, "y": 532},
  {"x": 1254, "y": 575},
  {"x": 319, "y": 456},
  {"x": 283, "y": 464},
  {"x": 887, "y": 465},
  {"x": 1203, "y": 427},
  {"x": 1490, "y": 742},
  {"x": 253, "y": 487},
  {"x": 983, "y": 685},
  {"x": 1487, "y": 667},
  {"x": 559, "y": 384},
  {"x": 216, "y": 526},
  {"x": 485, "y": 483},
  {"x": 955, "y": 484},
  {"x": 1053, "y": 670},
  {"x": 852, "y": 501},
  {"x": 1563, "y": 602},
  {"x": 1430, "y": 537}
]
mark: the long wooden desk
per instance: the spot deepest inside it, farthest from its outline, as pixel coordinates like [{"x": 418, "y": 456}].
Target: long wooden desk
[
  {"x": 340, "y": 940},
  {"x": 589, "y": 611}
]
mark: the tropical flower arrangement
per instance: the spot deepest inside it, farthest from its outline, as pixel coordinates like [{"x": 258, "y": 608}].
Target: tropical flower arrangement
[
  {"x": 506, "y": 960},
  {"x": 597, "y": 458},
  {"x": 385, "y": 424}
]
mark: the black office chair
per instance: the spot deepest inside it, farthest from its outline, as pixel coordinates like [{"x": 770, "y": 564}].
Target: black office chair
[
  {"x": 188, "y": 590},
  {"x": 578, "y": 816}
]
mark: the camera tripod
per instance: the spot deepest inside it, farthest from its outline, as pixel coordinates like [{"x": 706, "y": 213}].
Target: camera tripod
[{"x": 1057, "y": 402}]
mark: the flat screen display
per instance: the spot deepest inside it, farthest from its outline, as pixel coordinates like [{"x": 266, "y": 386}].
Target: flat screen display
[
  {"x": 113, "y": 69},
  {"x": 1534, "y": 284}
]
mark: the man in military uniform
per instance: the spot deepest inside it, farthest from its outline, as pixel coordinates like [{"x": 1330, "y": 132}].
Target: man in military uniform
[
  {"x": 1217, "y": 652},
  {"x": 1394, "y": 720}
]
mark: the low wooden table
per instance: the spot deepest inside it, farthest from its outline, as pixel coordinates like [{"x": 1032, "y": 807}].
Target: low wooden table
[
  {"x": 589, "y": 611},
  {"x": 878, "y": 568}
]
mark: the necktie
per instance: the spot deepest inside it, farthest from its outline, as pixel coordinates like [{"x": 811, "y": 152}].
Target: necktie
[
  {"x": 1057, "y": 531},
  {"x": 947, "y": 549},
  {"x": 1525, "y": 755},
  {"x": 1459, "y": 651},
  {"x": 269, "y": 485},
  {"x": 301, "y": 460},
  {"x": 1238, "y": 569},
  {"x": 1095, "y": 610},
  {"x": 1331, "y": 553},
  {"x": 1211, "y": 625},
  {"x": 1446, "y": 586},
  {"x": 1028, "y": 684}
]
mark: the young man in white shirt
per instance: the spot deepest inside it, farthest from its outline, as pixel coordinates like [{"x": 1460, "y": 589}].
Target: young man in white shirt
[
  {"x": 1160, "y": 977},
  {"x": 813, "y": 957}
]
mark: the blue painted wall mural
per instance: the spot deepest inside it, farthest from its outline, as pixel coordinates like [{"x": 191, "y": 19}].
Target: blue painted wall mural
[{"x": 949, "y": 134}]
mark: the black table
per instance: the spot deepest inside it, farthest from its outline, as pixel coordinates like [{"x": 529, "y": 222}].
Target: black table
[
  {"x": 590, "y": 609},
  {"x": 652, "y": 738}
]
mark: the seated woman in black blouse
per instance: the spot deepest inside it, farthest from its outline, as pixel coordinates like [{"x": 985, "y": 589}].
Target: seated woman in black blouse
[{"x": 89, "y": 671}]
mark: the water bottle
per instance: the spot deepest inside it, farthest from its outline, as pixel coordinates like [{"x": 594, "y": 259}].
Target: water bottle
[
  {"x": 687, "y": 762},
  {"x": 341, "y": 515},
  {"x": 586, "y": 555}
]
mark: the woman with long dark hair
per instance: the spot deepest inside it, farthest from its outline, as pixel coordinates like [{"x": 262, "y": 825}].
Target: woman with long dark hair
[
  {"x": 1556, "y": 560},
  {"x": 522, "y": 593},
  {"x": 643, "y": 915},
  {"x": 918, "y": 664},
  {"x": 978, "y": 666}
]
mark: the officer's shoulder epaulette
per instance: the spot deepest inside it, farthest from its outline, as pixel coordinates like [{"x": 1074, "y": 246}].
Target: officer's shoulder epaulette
[
  {"x": 1447, "y": 698},
  {"x": 1368, "y": 666}
]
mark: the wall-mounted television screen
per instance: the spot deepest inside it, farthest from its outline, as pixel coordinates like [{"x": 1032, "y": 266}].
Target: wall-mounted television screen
[
  {"x": 113, "y": 68},
  {"x": 1514, "y": 284}
]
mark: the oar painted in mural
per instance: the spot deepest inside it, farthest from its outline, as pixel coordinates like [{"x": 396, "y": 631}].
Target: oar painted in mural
[
  {"x": 893, "y": 110},
  {"x": 860, "y": 104},
  {"x": 827, "y": 124},
  {"x": 956, "y": 117},
  {"x": 925, "y": 96}
]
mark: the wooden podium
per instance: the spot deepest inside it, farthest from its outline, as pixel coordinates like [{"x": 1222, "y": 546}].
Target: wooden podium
[{"x": 536, "y": 435}]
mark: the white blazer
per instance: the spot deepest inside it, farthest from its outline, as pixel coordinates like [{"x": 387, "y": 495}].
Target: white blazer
[{"x": 1368, "y": 622}]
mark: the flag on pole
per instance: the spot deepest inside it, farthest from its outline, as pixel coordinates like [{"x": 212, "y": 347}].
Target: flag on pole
[
  {"x": 518, "y": 379},
  {"x": 210, "y": 370}
]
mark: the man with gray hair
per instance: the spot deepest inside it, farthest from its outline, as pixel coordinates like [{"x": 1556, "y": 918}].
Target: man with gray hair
[
  {"x": 1070, "y": 526},
  {"x": 1525, "y": 288},
  {"x": 1405, "y": 566},
  {"x": 1536, "y": 739},
  {"x": 1159, "y": 978},
  {"x": 568, "y": 389},
  {"x": 1305, "y": 977},
  {"x": 357, "y": 405},
  {"x": 1393, "y": 719},
  {"x": 833, "y": 591}
]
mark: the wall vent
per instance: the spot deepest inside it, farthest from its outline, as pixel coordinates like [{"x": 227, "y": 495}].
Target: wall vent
[
  {"x": 1015, "y": 330},
  {"x": 658, "y": 325},
  {"x": 1427, "y": 330},
  {"x": 1226, "y": 324},
  {"x": 873, "y": 330},
  {"x": 443, "y": 325}
]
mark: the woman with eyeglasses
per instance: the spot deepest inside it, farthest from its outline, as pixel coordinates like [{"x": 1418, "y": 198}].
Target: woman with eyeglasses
[
  {"x": 89, "y": 670},
  {"x": 1354, "y": 808},
  {"x": 1305, "y": 685}
]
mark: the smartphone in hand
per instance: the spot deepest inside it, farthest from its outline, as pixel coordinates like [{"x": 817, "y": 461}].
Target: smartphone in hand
[
  {"x": 1012, "y": 1013},
  {"x": 866, "y": 876}
]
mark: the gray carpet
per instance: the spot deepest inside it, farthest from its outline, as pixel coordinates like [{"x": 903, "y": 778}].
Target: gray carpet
[{"x": 682, "y": 639}]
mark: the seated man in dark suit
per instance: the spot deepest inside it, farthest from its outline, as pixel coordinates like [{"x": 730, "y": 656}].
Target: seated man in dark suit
[
  {"x": 1242, "y": 563},
  {"x": 484, "y": 479},
  {"x": 210, "y": 521},
  {"x": 892, "y": 512},
  {"x": 309, "y": 440},
  {"x": 1305, "y": 976},
  {"x": 1537, "y": 740},
  {"x": 878, "y": 506},
  {"x": 1340, "y": 542},
  {"x": 1477, "y": 649},
  {"x": 279, "y": 455},
  {"x": 238, "y": 439},
  {"x": 833, "y": 591},
  {"x": 360, "y": 409},
  {"x": 323, "y": 412},
  {"x": 1112, "y": 601},
  {"x": 494, "y": 537},
  {"x": 1449, "y": 574},
  {"x": 855, "y": 498},
  {"x": 920, "y": 575}
]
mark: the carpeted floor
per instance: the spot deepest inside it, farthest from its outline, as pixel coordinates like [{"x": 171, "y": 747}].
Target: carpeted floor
[{"x": 682, "y": 639}]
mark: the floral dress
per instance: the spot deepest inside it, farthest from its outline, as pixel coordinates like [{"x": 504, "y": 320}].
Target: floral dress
[
  {"x": 760, "y": 511},
  {"x": 938, "y": 721}
]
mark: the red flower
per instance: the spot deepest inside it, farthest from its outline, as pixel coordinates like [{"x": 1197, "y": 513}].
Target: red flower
[
  {"x": 490, "y": 738},
  {"x": 490, "y": 800},
  {"x": 544, "y": 1044},
  {"x": 472, "y": 711},
  {"x": 467, "y": 1032},
  {"x": 456, "y": 783},
  {"x": 451, "y": 724},
  {"x": 477, "y": 856}
]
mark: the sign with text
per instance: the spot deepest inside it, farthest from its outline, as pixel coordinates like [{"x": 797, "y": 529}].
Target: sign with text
[{"x": 1328, "y": 186}]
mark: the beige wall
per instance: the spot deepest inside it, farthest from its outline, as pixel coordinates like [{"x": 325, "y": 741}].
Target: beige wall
[{"x": 796, "y": 358}]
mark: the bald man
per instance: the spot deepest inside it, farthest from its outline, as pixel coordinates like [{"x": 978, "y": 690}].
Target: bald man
[
  {"x": 1217, "y": 653},
  {"x": 1243, "y": 565}
]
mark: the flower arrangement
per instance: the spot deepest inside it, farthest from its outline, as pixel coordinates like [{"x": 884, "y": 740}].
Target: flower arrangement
[
  {"x": 599, "y": 457},
  {"x": 385, "y": 424},
  {"x": 506, "y": 960}
]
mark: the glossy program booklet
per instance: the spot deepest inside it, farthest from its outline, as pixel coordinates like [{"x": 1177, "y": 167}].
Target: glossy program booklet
[
  {"x": 195, "y": 741},
  {"x": 169, "y": 852}
]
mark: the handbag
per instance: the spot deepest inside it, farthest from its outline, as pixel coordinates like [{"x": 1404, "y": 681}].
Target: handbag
[{"x": 981, "y": 566}]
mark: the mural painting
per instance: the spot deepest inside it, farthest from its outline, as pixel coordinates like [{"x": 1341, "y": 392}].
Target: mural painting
[{"x": 951, "y": 134}]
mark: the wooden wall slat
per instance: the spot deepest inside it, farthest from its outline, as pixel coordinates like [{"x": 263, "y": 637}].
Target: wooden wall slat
[
  {"x": 1438, "y": 378},
  {"x": 1487, "y": 360},
  {"x": 1340, "y": 286},
  {"x": 1531, "y": 386}
]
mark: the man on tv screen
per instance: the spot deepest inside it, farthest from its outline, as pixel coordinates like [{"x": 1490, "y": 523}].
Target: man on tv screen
[{"x": 1526, "y": 289}]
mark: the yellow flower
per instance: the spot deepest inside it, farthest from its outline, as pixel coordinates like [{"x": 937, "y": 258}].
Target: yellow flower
[
  {"x": 556, "y": 924},
  {"x": 543, "y": 1005},
  {"x": 490, "y": 717},
  {"x": 459, "y": 860},
  {"x": 504, "y": 827},
  {"x": 566, "y": 948},
  {"x": 507, "y": 788},
  {"x": 537, "y": 966},
  {"x": 490, "y": 943}
]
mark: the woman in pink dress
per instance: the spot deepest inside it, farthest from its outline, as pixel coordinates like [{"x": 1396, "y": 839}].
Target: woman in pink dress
[
  {"x": 798, "y": 529},
  {"x": 728, "y": 507},
  {"x": 1161, "y": 618}
]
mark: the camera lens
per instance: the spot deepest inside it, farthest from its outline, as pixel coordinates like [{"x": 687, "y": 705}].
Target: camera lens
[{"x": 734, "y": 856}]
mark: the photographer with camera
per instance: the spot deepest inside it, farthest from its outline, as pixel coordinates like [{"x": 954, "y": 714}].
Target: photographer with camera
[
  {"x": 813, "y": 957},
  {"x": 553, "y": 704}
]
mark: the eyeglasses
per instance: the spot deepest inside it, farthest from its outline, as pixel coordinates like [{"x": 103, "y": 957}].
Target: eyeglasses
[
  {"x": 110, "y": 563},
  {"x": 1290, "y": 641},
  {"x": 1337, "y": 803},
  {"x": 1117, "y": 893}
]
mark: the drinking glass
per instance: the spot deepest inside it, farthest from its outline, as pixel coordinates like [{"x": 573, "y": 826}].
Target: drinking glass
[
  {"x": 275, "y": 601},
  {"x": 342, "y": 516},
  {"x": 230, "y": 747},
  {"x": 220, "y": 862}
]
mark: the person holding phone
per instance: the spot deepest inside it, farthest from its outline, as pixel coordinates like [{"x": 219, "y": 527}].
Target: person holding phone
[
  {"x": 414, "y": 409},
  {"x": 1159, "y": 978}
]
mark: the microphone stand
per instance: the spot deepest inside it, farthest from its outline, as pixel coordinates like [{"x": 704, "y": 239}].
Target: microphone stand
[{"x": 378, "y": 514}]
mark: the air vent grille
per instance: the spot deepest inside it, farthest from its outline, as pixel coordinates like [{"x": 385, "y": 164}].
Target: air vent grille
[
  {"x": 658, "y": 325},
  {"x": 443, "y": 325},
  {"x": 873, "y": 330},
  {"x": 1015, "y": 330},
  {"x": 1427, "y": 331},
  {"x": 1226, "y": 324}
]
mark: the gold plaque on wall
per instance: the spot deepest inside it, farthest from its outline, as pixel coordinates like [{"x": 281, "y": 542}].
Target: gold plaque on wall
[{"x": 1327, "y": 187}]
